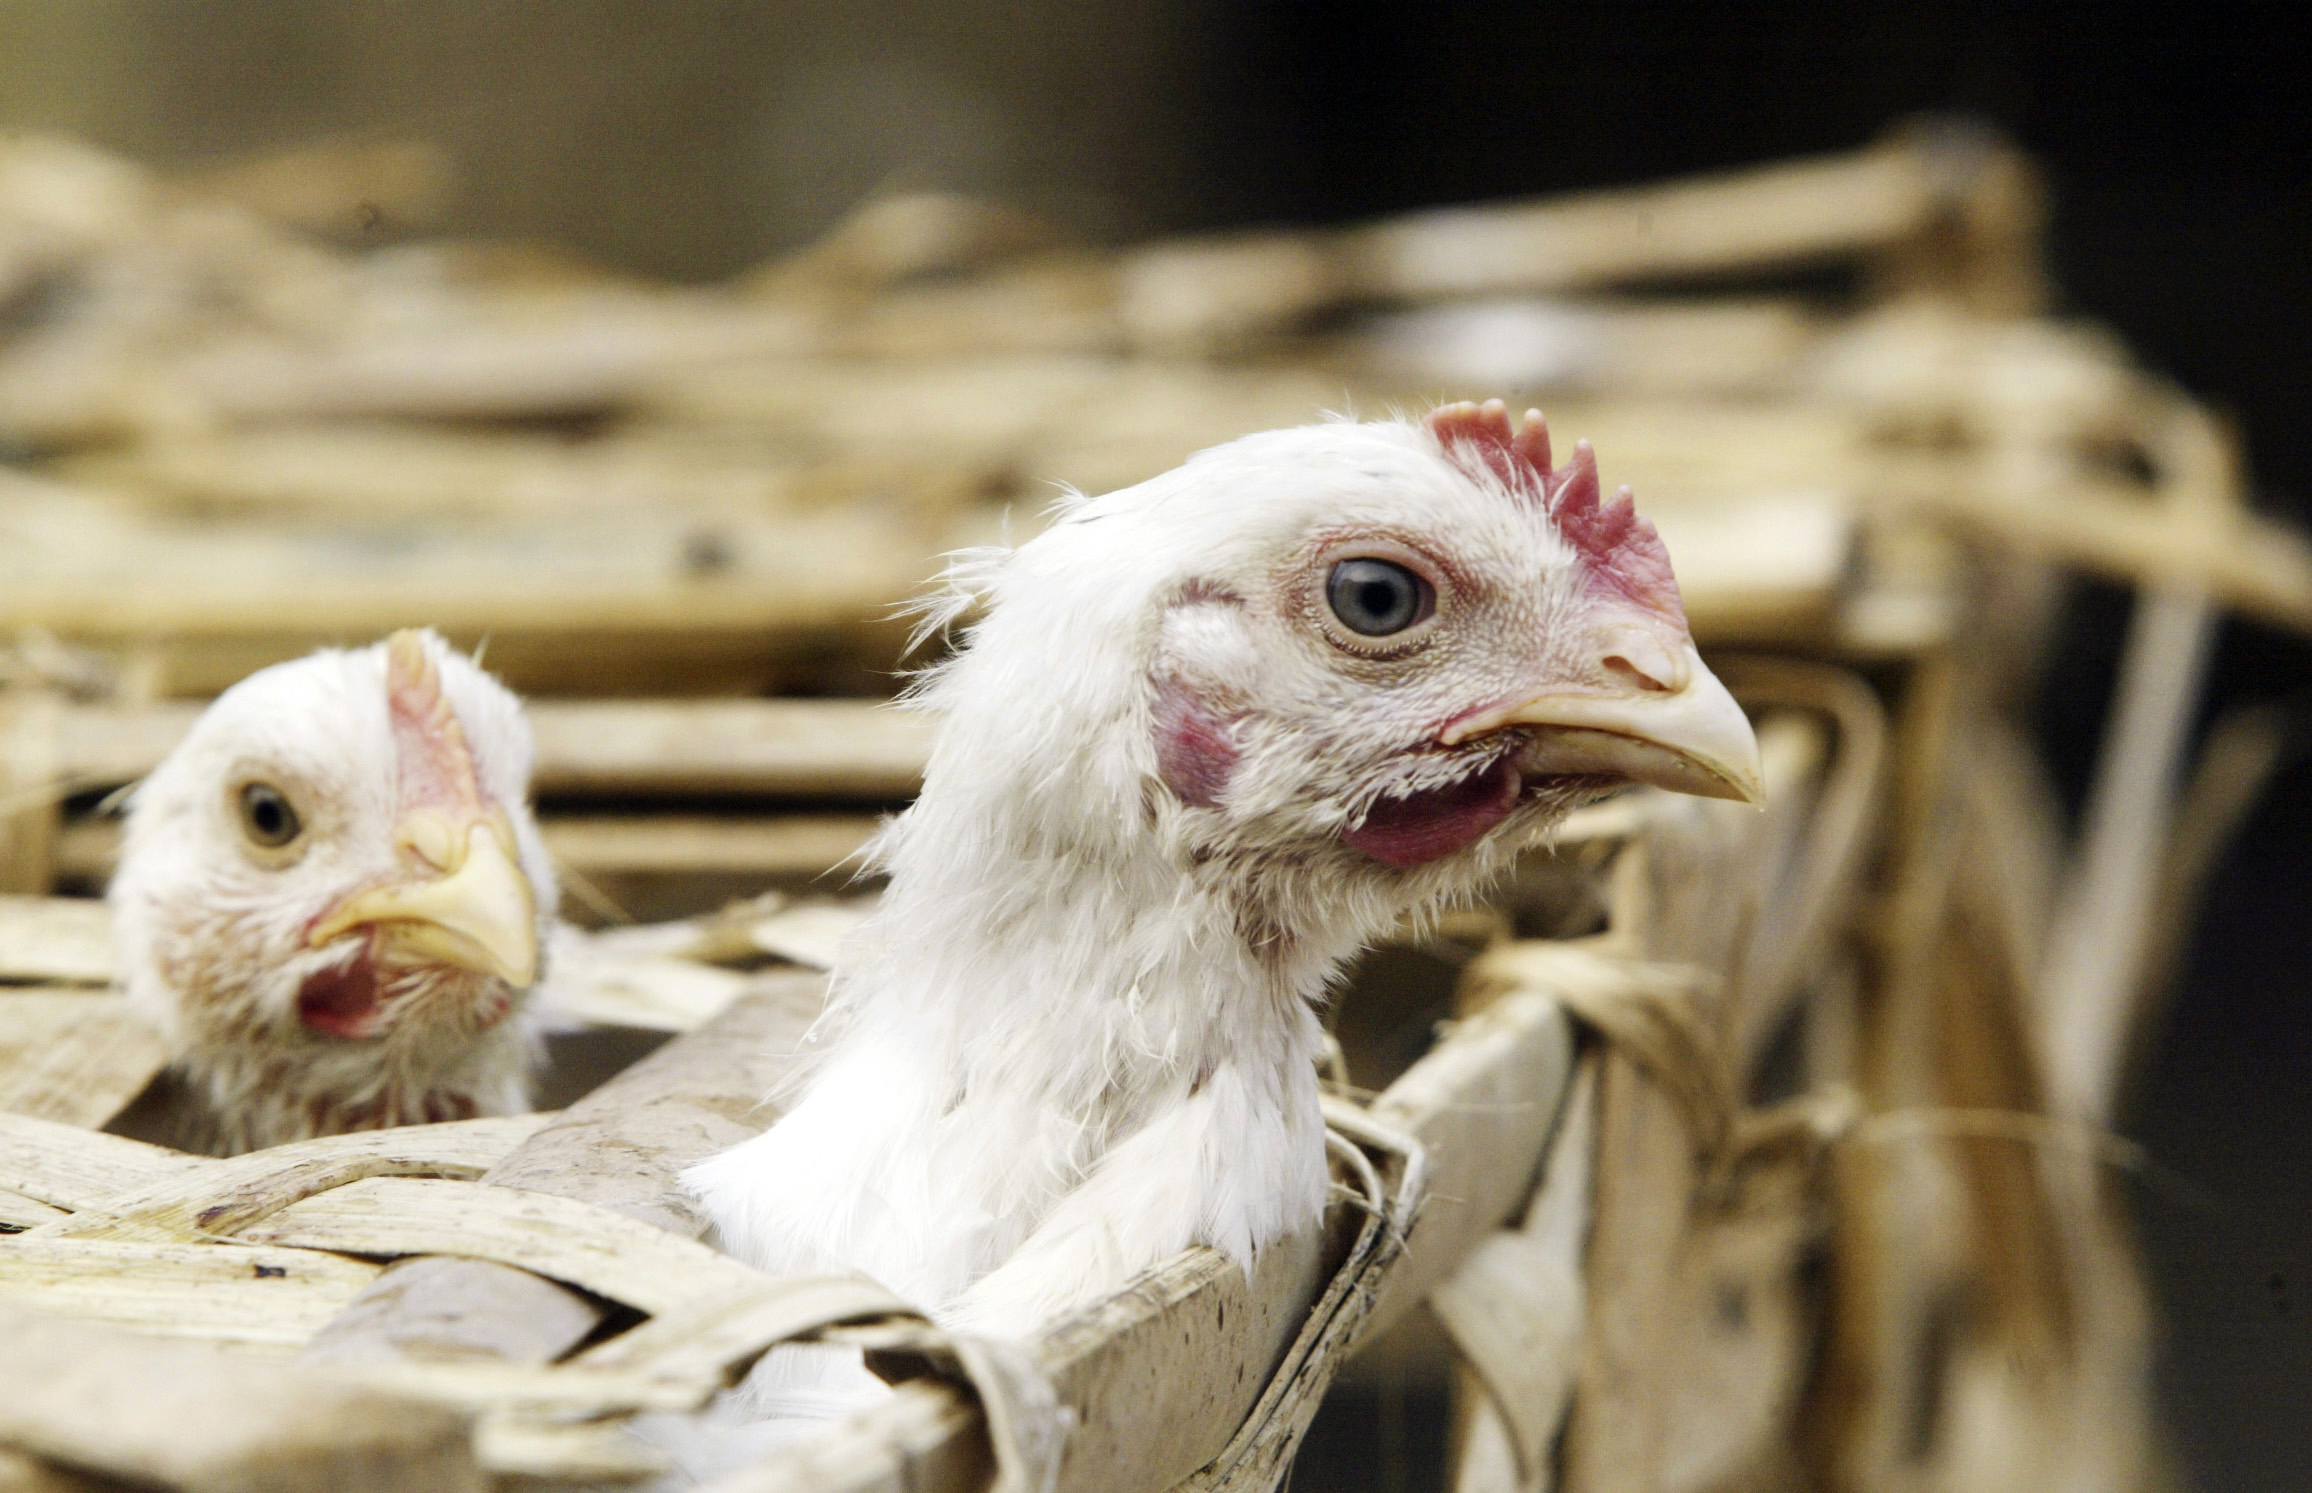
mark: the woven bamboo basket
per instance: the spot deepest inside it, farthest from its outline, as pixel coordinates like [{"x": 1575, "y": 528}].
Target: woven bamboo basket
[{"x": 1720, "y": 1151}]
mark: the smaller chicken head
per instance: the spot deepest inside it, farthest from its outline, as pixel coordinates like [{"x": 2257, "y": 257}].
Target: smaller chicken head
[{"x": 340, "y": 856}]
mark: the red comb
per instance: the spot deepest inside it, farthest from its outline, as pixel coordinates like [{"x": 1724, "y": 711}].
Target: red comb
[
  {"x": 1621, "y": 550},
  {"x": 437, "y": 766}
]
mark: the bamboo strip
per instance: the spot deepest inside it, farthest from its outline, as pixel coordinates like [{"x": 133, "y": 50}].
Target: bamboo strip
[
  {"x": 1815, "y": 891},
  {"x": 1388, "y": 1181},
  {"x": 795, "y": 846},
  {"x": 1686, "y": 891},
  {"x": 620, "y": 1148},
  {"x": 926, "y": 1439},
  {"x": 2086, "y": 996},
  {"x": 75, "y": 1168},
  {"x": 55, "y": 940},
  {"x": 75, "y": 1057},
  {"x": 28, "y": 815},
  {"x": 1482, "y": 1103},
  {"x": 2086, "y": 992},
  {"x": 187, "y": 1416},
  {"x": 273, "y": 1298},
  {"x": 560, "y": 1453},
  {"x": 546, "y": 1235},
  {"x": 597, "y": 360},
  {"x": 1219, "y": 291},
  {"x": 836, "y": 748},
  {"x": 22, "y": 1474},
  {"x": 663, "y": 980},
  {"x": 645, "y": 994},
  {"x": 219, "y": 1197},
  {"x": 1514, "y": 1310},
  {"x": 1777, "y": 214},
  {"x": 1613, "y": 1439},
  {"x": 2248, "y": 563},
  {"x": 18, "y": 1212}
]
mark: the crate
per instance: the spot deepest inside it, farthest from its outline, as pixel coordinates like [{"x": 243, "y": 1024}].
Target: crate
[{"x": 1719, "y": 1150}]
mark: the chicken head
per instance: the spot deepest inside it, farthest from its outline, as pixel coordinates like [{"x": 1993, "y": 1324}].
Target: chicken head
[
  {"x": 332, "y": 898},
  {"x": 1439, "y": 641}
]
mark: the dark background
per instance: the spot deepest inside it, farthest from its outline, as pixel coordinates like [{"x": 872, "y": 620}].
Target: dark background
[{"x": 693, "y": 139}]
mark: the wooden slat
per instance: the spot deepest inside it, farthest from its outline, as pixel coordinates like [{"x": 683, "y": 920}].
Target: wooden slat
[
  {"x": 620, "y": 1147},
  {"x": 791, "y": 846},
  {"x": 788, "y": 847},
  {"x": 1482, "y": 1103},
  {"x": 73, "y": 1057},
  {"x": 846, "y": 748},
  {"x": 1218, "y": 290},
  {"x": 55, "y": 940},
  {"x": 751, "y": 585},
  {"x": 217, "y": 1197},
  {"x": 603, "y": 1252},
  {"x": 69, "y": 1167},
  {"x": 190, "y": 1416},
  {"x": 20, "y": 1212},
  {"x": 266, "y": 1297}
]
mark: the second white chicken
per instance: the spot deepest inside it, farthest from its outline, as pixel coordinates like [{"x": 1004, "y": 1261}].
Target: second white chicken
[{"x": 332, "y": 898}]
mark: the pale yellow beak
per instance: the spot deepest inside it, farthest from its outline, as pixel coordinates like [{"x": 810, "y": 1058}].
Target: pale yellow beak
[
  {"x": 1674, "y": 727},
  {"x": 479, "y": 914}
]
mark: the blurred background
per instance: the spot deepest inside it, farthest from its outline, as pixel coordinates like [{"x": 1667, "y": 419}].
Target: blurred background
[{"x": 694, "y": 142}]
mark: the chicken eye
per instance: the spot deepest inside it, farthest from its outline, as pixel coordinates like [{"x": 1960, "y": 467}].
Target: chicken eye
[
  {"x": 1377, "y": 598},
  {"x": 266, "y": 816}
]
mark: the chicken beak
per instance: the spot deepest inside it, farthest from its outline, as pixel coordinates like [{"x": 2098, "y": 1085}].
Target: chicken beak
[
  {"x": 1674, "y": 727},
  {"x": 480, "y": 913}
]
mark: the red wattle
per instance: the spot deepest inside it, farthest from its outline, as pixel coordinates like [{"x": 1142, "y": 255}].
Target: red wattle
[
  {"x": 1427, "y": 826},
  {"x": 341, "y": 1002}
]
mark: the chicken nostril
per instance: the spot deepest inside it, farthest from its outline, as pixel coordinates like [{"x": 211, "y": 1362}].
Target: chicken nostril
[
  {"x": 1622, "y": 669},
  {"x": 1634, "y": 656},
  {"x": 432, "y": 839}
]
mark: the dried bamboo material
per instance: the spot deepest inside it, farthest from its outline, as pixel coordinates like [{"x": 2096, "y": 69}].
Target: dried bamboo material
[
  {"x": 833, "y": 748},
  {"x": 1777, "y": 215},
  {"x": 342, "y": 1196},
  {"x": 343, "y": 186},
  {"x": 89, "y": 571},
  {"x": 1821, "y": 1209},
  {"x": 72, "y": 1057},
  {"x": 184, "y": 1416},
  {"x": 51, "y": 940}
]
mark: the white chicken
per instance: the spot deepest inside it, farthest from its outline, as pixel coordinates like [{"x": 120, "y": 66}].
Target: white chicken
[
  {"x": 1213, "y": 734},
  {"x": 332, "y": 896}
]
